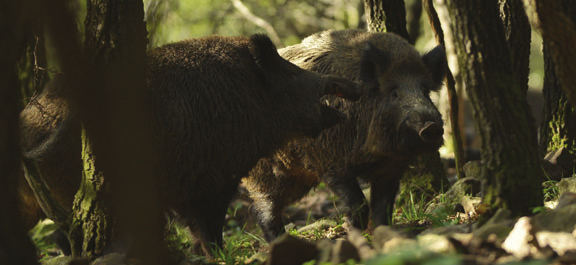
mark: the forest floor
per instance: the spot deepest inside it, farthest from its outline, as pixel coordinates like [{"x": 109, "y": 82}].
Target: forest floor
[{"x": 422, "y": 233}]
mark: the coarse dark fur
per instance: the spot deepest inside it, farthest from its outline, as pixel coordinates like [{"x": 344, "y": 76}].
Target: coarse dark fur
[
  {"x": 49, "y": 134},
  {"x": 386, "y": 129},
  {"x": 217, "y": 105}
]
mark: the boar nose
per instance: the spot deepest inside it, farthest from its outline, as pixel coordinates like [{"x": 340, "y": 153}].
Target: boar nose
[{"x": 431, "y": 132}]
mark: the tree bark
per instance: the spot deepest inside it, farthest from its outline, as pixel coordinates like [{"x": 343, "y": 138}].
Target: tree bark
[
  {"x": 558, "y": 126},
  {"x": 559, "y": 33},
  {"x": 117, "y": 129},
  {"x": 92, "y": 223},
  {"x": 121, "y": 204},
  {"x": 15, "y": 246},
  {"x": 518, "y": 37},
  {"x": 413, "y": 16},
  {"x": 512, "y": 173},
  {"x": 387, "y": 15}
]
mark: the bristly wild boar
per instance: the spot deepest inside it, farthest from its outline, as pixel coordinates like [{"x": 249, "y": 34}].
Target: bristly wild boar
[
  {"x": 386, "y": 129},
  {"x": 220, "y": 104},
  {"x": 50, "y": 134},
  {"x": 217, "y": 105}
]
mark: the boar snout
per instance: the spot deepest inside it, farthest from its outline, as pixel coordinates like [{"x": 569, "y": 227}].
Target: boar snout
[{"x": 431, "y": 133}]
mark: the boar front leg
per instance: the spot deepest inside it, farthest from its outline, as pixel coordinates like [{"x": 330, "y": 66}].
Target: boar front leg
[{"x": 383, "y": 191}]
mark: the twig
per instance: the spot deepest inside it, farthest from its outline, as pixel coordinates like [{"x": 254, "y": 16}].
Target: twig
[
  {"x": 258, "y": 22},
  {"x": 450, "y": 85}
]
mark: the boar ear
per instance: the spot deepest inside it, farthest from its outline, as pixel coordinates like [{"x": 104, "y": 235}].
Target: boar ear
[
  {"x": 374, "y": 61},
  {"x": 435, "y": 61},
  {"x": 264, "y": 51}
]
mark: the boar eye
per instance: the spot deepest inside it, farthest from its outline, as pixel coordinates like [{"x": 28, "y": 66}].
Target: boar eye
[
  {"x": 393, "y": 91},
  {"x": 425, "y": 89}
]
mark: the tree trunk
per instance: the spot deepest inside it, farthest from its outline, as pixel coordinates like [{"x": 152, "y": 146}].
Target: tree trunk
[
  {"x": 413, "y": 16},
  {"x": 15, "y": 246},
  {"x": 559, "y": 33},
  {"x": 121, "y": 204},
  {"x": 116, "y": 128},
  {"x": 511, "y": 165},
  {"x": 518, "y": 36},
  {"x": 558, "y": 127},
  {"x": 92, "y": 222},
  {"x": 387, "y": 15}
]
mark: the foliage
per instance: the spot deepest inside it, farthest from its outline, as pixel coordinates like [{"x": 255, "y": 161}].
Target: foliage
[
  {"x": 551, "y": 192},
  {"x": 178, "y": 239},
  {"x": 292, "y": 19},
  {"x": 240, "y": 245},
  {"x": 414, "y": 212}
]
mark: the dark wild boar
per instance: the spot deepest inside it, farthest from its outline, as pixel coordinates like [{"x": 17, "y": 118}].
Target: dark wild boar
[
  {"x": 386, "y": 129},
  {"x": 218, "y": 105},
  {"x": 50, "y": 134}
]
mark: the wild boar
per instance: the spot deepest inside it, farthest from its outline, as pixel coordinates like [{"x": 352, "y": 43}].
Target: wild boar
[
  {"x": 217, "y": 105},
  {"x": 385, "y": 130}
]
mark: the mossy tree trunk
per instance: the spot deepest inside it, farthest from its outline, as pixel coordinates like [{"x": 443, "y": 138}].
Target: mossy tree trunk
[
  {"x": 116, "y": 208},
  {"x": 558, "y": 127},
  {"x": 15, "y": 246},
  {"x": 118, "y": 140},
  {"x": 511, "y": 165}
]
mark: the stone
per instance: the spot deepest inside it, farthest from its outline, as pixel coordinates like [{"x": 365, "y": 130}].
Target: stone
[
  {"x": 567, "y": 185},
  {"x": 288, "y": 250},
  {"x": 563, "y": 158},
  {"x": 560, "y": 242},
  {"x": 382, "y": 234},
  {"x": 473, "y": 169},
  {"x": 65, "y": 260},
  {"x": 567, "y": 198},
  {"x": 436, "y": 243},
  {"x": 398, "y": 244},
  {"x": 466, "y": 186},
  {"x": 518, "y": 241},
  {"x": 499, "y": 225},
  {"x": 359, "y": 241},
  {"x": 343, "y": 251},
  {"x": 561, "y": 219}
]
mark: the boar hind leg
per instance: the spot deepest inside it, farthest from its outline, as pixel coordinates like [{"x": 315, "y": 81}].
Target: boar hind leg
[
  {"x": 208, "y": 222},
  {"x": 268, "y": 207},
  {"x": 273, "y": 189},
  {"x": 348, "y": 190},
  {"x": 269, "y": 216}
]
